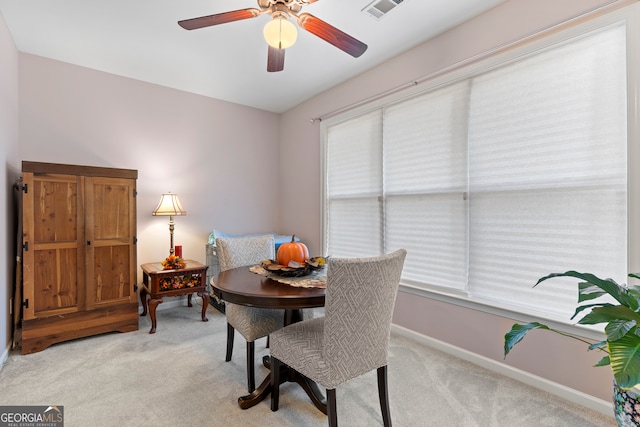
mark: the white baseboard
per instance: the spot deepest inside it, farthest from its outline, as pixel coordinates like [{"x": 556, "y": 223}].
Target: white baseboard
[{"x": 572, "y": 395}]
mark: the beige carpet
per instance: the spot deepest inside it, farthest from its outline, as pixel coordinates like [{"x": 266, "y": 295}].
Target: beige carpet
[{"x": 178, "y": 377}]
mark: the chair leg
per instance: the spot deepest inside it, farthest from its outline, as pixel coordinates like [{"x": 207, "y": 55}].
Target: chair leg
[
  {"x": 383, "y": 394},
  {"x": 251, "y": 369},
  {"x": 275, "y": 383},
  {"x": 331, "y": 408},
  {"x": 230, "y": 334}
]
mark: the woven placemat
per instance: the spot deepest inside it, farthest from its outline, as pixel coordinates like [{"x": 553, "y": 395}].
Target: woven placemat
[{"x": 313, "y": 280}]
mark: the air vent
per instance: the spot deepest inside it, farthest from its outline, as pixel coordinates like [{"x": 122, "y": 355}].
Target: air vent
[{"x": 379, "y": 8}]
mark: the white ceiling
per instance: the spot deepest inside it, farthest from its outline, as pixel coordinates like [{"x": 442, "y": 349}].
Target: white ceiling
[{"x": 141, "y": 39}]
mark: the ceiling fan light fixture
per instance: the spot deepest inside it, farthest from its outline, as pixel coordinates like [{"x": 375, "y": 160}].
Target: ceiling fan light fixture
[{"x": 280, "y": 33}]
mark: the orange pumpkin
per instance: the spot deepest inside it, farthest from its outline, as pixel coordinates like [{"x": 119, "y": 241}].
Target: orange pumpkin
[{"x": 292, "y": 251}]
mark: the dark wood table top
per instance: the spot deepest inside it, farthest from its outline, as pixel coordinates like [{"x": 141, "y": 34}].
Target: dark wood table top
[{"x": 241, "y": 286}]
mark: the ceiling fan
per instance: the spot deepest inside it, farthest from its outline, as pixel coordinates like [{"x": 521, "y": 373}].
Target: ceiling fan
[{"x": 280, "y": 33}]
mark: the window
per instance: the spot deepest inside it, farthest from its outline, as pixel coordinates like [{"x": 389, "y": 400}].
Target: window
[{"x": 493, "y": 179}]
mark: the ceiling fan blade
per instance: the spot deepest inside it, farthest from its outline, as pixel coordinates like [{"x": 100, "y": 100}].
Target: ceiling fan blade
[
  {"x": 331, "y": 34},
  {"x": 275, "y": 60},
  {"x": 219, "y": 18}
]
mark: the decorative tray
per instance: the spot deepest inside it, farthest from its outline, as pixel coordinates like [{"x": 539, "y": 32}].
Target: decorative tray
[{"x": 295, "y": 269}]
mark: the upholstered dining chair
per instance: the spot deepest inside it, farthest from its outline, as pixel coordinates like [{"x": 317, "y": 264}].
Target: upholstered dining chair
[
  {"x": 353, "y": 336},
  {"x": 251, "y": 322}
]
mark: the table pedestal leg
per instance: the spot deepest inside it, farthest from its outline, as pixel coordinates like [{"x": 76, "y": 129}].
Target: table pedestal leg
[
  {"x": 311, "y": 388},
  {"x": 257, "y": 395},
  {"x": 286, "y": 374}
]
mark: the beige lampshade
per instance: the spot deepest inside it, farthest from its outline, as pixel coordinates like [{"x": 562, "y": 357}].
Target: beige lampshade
[
  {"x": 280, "y": 33},
  {"x": 169, "y": 206}
]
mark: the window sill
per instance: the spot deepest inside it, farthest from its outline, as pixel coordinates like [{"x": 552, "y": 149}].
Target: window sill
[{"x": 460, "y": 299}]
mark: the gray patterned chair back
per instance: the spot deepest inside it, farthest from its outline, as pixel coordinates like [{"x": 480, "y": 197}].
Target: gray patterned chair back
[
  {"x": 359, "y": 302},
  {"x": 242, "y": 251}
]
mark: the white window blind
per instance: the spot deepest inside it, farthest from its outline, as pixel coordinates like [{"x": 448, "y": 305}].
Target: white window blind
[
  {"x": 354, "y": 187},
  {"x": 425, "y": 182},
  {"x": 547, "y": 172},
  {"x": 494, "y": 181}
]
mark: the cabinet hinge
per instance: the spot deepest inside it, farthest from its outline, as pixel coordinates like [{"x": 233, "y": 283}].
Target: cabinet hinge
[
  {"x": 135, "y": 288},
  {"x": 135, "y": 240},
  {"x": 25, "y": 188},
  {"x": 135, "y": 193},
  {"x": 25, "y": 246},
  {"x": 25, "y": 303}
]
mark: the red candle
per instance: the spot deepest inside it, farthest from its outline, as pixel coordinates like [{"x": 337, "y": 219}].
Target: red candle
[{"x": 177, "y": 251}]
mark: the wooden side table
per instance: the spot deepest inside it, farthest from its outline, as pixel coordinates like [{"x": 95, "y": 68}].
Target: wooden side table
[{"x": 159, "y": 283}]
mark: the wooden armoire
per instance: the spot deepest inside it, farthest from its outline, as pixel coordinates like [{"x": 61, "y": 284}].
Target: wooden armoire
[{"x": 79, "y": 252}]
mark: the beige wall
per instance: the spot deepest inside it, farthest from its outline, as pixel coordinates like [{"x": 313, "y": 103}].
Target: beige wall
[
  {"x": 220, "y": 158},
  {"x": 8, "y": 176},
  {"x": 552, "y": 358}
]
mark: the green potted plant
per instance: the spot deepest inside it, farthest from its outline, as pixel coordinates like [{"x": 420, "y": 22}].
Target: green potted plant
[{"x": 622, "y": 343}]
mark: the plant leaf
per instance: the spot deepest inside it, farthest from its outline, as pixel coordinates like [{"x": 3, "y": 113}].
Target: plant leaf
[
  {"x": 603, "y": 362},
  {"x": 619, "y": 293},
  {"x": 616, "y": 329},
  {"x": 624, "y": 355},
  {"x": 517, "y": 332},
  {"x": 598, "y": 345},
  {"x": 581, "y": 308},
  {"x": 609, "y": 313},
  {"x": 589, "y": 291}
]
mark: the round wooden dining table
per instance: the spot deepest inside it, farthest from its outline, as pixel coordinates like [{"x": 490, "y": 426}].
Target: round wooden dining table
[{"x": 241, "y": 286}]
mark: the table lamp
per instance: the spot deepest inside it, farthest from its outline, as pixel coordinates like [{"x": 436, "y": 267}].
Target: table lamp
[{"x": 169, "y": 206}]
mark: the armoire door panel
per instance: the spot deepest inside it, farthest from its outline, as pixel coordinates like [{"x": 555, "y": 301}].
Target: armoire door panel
[
  {"x": 52, "y": 230},
  {"x": 55, "y": 280},
  {"x": 110, "y": 206},
  {"x": 55, "y": 205},
  {"x": 112, "y": 274},
  {"x": 111, "y": 202}
]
